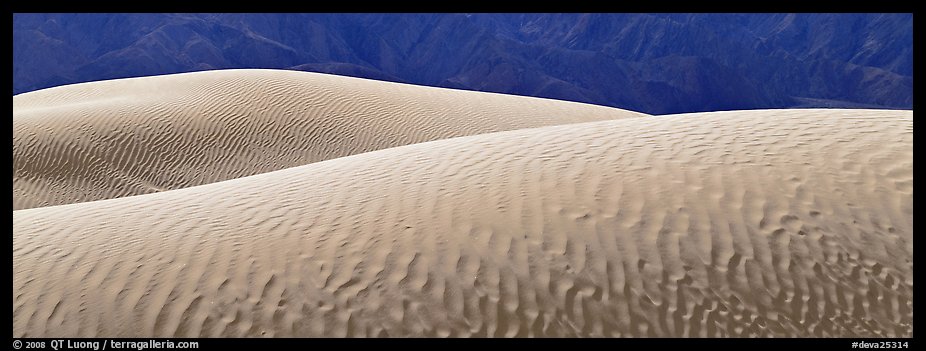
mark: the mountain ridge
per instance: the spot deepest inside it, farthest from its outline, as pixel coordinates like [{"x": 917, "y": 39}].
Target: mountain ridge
[{"x": 653, "y": 63}]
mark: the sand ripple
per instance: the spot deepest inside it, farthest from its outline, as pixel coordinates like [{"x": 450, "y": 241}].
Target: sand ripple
[
  {"x": 117, "y": 138},
  {"x": 747, "y": 223}
]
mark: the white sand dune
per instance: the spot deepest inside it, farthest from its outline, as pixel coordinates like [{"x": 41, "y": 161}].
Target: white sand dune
[
  {"x": 116, "y": 138},
  {"x": 746, "y": 223}
]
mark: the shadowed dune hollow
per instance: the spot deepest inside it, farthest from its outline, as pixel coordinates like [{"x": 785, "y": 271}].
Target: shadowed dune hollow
[
  {"x": 117, "y": 138},
  {"x": 275, "y": 204}
]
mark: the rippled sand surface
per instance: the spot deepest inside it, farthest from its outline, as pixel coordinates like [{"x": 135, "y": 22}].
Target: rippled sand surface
[{"x": 745, "y": 223}]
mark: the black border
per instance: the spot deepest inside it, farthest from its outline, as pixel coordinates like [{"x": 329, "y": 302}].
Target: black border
[
  {"x": 712, "y": 344},
  {"x": 779, "y": 344},
  {"x": 327, "y": 6}
]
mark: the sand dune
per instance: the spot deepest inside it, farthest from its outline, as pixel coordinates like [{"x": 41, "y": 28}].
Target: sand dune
[
  {"x": 748, "y": 223},
  {"x": 125, "y": 137}
]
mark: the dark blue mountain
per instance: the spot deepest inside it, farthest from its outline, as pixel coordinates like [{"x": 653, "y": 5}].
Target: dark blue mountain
[{"x": 656, "y": 63}]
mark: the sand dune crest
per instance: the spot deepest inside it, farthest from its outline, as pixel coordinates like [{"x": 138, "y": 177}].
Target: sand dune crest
[
  {"x": 747, "y": 223},
  {"x": 116, "y": 138}
]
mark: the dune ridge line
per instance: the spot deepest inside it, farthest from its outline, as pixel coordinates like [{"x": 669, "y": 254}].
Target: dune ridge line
[
  {"x": 778, "y": 223},
  {"x": 124, "y": 137}
]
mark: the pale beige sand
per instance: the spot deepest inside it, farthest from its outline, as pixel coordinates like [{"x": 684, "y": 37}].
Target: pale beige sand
[
  {"x": 767, "y": 223},
  {"x": 125, "y": 137}
]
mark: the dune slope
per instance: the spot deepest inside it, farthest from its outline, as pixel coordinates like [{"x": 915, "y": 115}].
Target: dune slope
[
  {"x": 116, "y": 138},
  {"x": 748, "y": 223}
]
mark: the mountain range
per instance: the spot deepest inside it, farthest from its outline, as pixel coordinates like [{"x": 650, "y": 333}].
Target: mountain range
[{"x": 652, "y": 63}]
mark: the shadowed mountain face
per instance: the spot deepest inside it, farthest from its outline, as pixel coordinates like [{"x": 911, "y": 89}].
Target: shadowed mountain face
[{"x": 659, "y": 63}]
